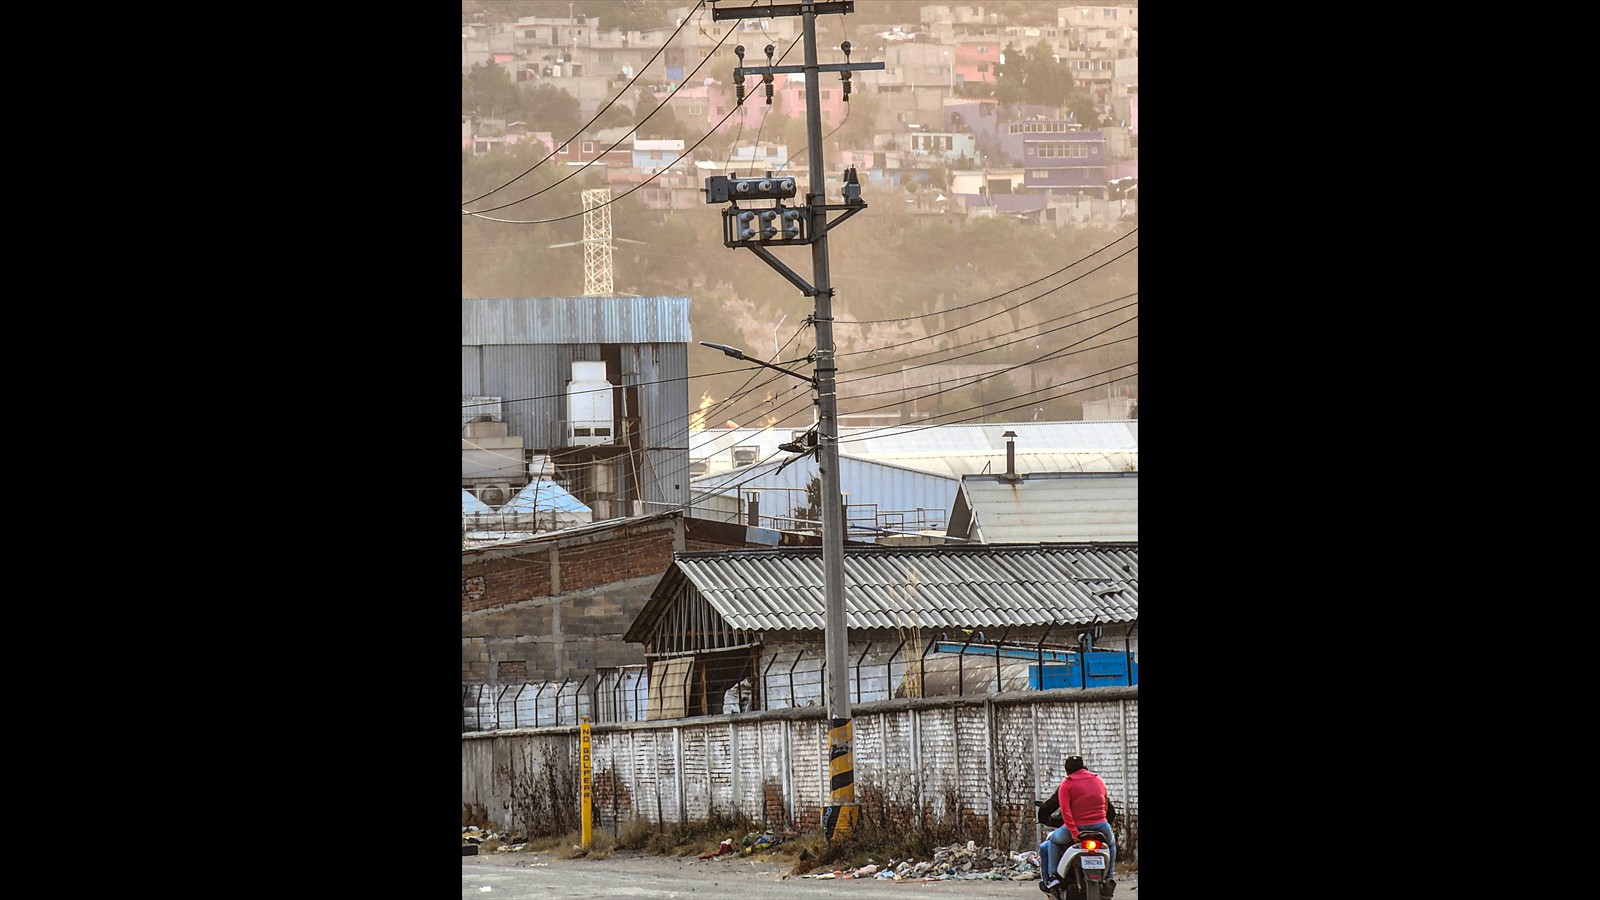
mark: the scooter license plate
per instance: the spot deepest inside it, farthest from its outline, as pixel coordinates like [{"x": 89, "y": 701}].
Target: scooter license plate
[{"x": 1092, "y": 862}]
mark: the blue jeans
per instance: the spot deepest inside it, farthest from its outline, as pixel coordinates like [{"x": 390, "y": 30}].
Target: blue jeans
[{"x": 1052, "y": 847}]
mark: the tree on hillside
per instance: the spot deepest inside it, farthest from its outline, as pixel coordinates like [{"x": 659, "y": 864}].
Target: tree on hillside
[
  {"x": 858, "y": 127},
  {"x": 486, "y": 90},
  {"x": 628, "y": 15},
  {"x": 656, "y": 120},
  {"x": 552, "y": 109},
  {"x": 1034, "y": 76},
  {"x": 613, "y": 116}
]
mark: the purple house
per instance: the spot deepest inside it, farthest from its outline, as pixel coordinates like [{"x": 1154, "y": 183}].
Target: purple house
[{"x": 1065, "y": 161}]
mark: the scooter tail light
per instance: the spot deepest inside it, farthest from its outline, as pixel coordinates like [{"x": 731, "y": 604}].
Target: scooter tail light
[{"x": 1091, "y": 845}]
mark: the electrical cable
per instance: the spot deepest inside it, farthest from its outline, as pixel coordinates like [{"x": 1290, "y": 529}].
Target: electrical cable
[
  {"x": 653, "y": 176},
  {"x": 610, "y": 103},
  {"x": 985, "y": 349},
  {"x": 1019, "y": 287}
]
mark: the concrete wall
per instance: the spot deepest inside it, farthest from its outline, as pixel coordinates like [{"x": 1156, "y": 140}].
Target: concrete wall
[{"x": 985, "y": 759}]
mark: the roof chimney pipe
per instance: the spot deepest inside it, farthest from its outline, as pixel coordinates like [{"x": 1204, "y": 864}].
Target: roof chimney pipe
[{"x": 1011, "y": 458}]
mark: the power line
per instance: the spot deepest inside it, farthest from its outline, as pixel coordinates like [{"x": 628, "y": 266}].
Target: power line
[
  {"x": 1019, "y": 287},
  {"x": 597, "y": 114},
  {"x": 586, "y": 165}
]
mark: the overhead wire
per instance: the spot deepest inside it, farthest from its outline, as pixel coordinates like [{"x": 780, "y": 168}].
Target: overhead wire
[
  {"x": 984, "y": 349},
  {"x": 906, "y": 343},
  {"x": 598, "y": 113},
  {"x": 756, "y": 472},
  {"x": 652, "y": 177},
  {"x": 1019, "y": 287}
]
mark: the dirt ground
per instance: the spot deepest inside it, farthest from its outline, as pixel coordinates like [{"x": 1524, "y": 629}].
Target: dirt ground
[{"x": 636, "y": 875}]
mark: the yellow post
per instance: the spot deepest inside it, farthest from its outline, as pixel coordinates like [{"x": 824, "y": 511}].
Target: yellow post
[
  {"x": 839, "y": 816},
  {"x": 583, "y": 774}
]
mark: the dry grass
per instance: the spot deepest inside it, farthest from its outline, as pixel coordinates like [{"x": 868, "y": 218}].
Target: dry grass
[
  {"x": 692, "y": 839},
  {"x": 570, "y": 845},
  {"x": 635, "y": 834}
]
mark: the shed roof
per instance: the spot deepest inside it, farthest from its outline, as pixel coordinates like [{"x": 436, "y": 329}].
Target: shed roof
[
  {"x": 889, "y": 587},
  {"x": 1047, "y": 506}
]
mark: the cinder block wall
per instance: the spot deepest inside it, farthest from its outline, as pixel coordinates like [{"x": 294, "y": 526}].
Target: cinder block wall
[{"x": 988, "y": 758}]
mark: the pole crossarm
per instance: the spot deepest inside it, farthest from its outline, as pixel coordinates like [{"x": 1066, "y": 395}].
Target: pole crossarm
[
  {"x": 741, "y": 71},
  {"x": 780, "y": 10}
]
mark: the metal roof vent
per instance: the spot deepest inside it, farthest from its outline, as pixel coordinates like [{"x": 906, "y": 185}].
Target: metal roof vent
[{"x": 1011, "y": 458}]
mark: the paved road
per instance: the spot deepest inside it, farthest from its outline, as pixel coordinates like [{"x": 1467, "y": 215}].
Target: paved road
[{"x": 635, "y": 876}]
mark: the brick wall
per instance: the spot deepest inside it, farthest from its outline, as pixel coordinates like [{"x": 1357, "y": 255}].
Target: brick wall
[{"x": 555, "y": 611}]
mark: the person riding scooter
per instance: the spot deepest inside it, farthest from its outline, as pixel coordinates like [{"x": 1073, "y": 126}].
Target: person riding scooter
[{"x": 1081, "y": 801}]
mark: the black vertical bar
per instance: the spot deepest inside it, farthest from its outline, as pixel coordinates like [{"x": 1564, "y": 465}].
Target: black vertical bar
[
  {"x": 888, "y": 672},
  {"x": 1127, "y": 652}
]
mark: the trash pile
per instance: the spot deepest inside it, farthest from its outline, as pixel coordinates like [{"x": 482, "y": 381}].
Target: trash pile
[
  {"x": 471, "y": 835},
  {"x": 956, "y": 862}
]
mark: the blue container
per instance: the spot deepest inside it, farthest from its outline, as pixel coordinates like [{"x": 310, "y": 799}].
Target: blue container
[{"x": 1105, "y": 670}]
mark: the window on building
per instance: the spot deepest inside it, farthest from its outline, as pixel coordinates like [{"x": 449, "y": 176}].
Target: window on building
[
  {"x": 826, "y": 94},
  {"x": 1108, "y": 12},
  {"x": 588, "y": 146},
  {"x": 697, "y": 110},
  {"x": 1039, "y": 173},
  {"x": 655, "y": 154},
  {"x": 565, "y": 150}
]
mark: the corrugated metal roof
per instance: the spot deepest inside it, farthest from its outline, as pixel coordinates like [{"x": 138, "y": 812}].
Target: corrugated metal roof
[
  {"x": 1077, "y": 506},
  {"x": 949, "y": 450},
  {"x": 956, "y": 465},
  {"x": 574, "y": 320},
  {"x": 930, "y": 587}
]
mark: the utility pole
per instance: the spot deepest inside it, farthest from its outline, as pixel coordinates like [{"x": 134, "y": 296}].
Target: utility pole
[{"x": 780, "y": 226}]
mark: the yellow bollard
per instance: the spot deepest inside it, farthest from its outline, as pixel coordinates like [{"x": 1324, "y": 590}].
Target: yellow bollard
[{"x": 583, "y": 774}]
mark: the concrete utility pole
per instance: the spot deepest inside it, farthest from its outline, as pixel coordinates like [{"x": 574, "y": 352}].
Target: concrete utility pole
[{"x": 778, "y": 227}]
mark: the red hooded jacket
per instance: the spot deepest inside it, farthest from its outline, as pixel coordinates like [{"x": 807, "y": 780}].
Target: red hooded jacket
[{"x": 1083, "y": 800}]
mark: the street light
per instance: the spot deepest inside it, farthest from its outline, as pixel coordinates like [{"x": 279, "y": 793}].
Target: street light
[{"x": 739, "y": 355}]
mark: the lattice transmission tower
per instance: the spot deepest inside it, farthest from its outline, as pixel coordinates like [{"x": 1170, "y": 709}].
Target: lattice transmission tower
[{"x": 597, "y": 242}]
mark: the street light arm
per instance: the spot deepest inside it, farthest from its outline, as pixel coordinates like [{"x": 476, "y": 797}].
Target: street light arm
[{"x": 739, "y": 355}]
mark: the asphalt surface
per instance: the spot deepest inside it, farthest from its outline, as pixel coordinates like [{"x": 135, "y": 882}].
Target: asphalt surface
[{"x": 637, "y": 876}]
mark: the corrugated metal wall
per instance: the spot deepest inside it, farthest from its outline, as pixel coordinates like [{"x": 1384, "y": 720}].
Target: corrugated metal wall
[
  {"x": 522, "y": 349},
  {"x": 987, "y": 759},
  {"x": 489, "y": 321},
  {"x": 662, "y": 377}
]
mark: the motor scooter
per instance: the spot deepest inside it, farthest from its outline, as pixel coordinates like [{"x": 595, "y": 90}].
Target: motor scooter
[{"x": 1084, "y": 872}]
